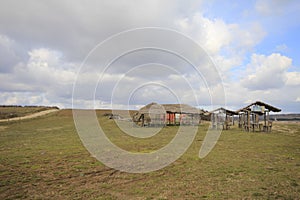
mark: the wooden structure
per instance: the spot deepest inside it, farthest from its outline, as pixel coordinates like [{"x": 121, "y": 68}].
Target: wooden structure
[
  {"x": 155, "y": 114},
  {"x": 222, "y": 118},
  {"x": 250, "y": 117}
]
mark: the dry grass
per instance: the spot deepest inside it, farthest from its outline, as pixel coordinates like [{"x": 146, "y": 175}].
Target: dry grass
[{"x": 44, "y": 159}]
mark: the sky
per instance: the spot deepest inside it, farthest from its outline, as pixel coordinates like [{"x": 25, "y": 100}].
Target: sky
[{"x": 127, "y": 53}]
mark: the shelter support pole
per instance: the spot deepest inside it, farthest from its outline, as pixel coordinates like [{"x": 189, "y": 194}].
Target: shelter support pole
[
  {"x": 265, "y": 121},
  {"x": 248, "y": 120}
]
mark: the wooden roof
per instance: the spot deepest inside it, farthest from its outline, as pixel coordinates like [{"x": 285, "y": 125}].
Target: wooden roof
[
  {"x": 173, "y": 108},
  {"x": 226, "y": 111},
  {"x": 260, "y": 103}
]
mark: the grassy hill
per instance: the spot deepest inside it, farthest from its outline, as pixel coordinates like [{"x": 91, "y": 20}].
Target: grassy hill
[
  {"x": 44, "y": 158},
  {"x": 7, "y": 111},
  {"x": 285, "y": 117}
]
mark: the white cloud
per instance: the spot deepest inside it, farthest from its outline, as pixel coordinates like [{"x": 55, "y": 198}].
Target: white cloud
[
  {"x": 245, "y": 38},
  {"x": 40, "y": 53},
  {"x": 281, "y": 48},
  {"x": 293, "y": 79},
  {"x": 10, "y": 54},
  {"x": 211, "y": 34},
  {"x": 23, "y": 98},
  {"x": 266, "y": 72},
  {"x": 75, "y": 27},
  {"x": 43, "y": 79},
  {"x": 215, "y": 34},
  {"x": 52, "y": 72},
  {"x": 267, "y": 78},
  {"x": 271, "y": 7},
  {"x": 274, "y": 8},
  {"x": 226, "y": 43}
]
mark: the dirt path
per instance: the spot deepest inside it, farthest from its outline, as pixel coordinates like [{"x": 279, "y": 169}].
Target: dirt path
[{"x": 30, "y": 116}]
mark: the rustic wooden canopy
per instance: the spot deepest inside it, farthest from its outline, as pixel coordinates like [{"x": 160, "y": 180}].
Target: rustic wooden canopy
[
  {"x": 224, "y": 122},
  {"x": 249, "y": 116},
  {"x": 226, "y": 111},
  {"x": 259, "y": 103}
]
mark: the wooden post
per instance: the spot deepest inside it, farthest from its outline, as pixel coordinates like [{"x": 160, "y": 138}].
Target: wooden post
[
  {"x": 248, "y": 120},
  {"x": 265, "y": 118},
  {"x": 200, "y": 120},
  {"x": 143, "y": 120},
  {"x": 268, "y": 119},
  {"x": 253, "y": 120},
  {"x": 240, "y": 121},
  {"x": 265, "y": 121},
  {"x": 192, "y": 119}
]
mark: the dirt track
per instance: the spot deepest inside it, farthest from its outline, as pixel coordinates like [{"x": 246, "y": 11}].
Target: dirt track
[{"x": 30, "y": 116}]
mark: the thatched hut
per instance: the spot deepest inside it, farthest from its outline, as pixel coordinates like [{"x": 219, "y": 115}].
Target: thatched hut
[{"x": 155, "y": 114}]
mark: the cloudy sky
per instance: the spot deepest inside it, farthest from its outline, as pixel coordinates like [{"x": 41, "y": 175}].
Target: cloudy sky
[{"x": 48, "y": 47}]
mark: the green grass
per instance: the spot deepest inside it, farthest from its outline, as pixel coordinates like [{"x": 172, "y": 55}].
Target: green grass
[{"x": 44, "y": 158}]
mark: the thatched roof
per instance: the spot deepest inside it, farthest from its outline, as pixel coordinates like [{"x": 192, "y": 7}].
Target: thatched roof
[
  {"x": 173, "y": 108},
  {"x": 153, "y": 108},
  {"x": 259, "y": 103}
]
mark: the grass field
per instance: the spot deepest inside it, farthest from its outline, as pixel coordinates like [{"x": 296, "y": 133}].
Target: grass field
[{"x": 43, "y": 158}]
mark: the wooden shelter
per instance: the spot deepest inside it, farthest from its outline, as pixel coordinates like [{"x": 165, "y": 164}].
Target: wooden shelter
[
  {"x": 222, "y": 118},
  {"x": 250, "y": 116},
  {"x": 155, "y": 114}
]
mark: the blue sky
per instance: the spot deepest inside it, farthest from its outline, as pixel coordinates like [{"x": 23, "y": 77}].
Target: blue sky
[
  {"x": 253, "y": 45},
  {"x": 282, "y": 28},
  {"x": 282, "y": 25}
]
